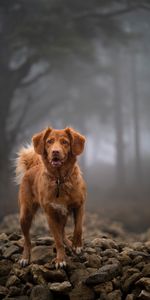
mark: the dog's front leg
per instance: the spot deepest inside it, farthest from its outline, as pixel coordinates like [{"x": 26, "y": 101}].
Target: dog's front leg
[
  {"x": 78, "y": 222},
  {"x": 56, "y": 224}
]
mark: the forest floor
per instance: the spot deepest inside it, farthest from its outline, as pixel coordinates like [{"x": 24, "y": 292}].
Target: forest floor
[{"x": 114, "y": 264}]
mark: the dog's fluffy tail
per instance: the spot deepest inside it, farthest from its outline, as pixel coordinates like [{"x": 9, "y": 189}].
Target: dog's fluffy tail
[{"x": 26, "y": 159}]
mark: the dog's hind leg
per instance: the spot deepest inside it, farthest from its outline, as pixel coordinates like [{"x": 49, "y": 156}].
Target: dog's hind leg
[{"x": 27, "y": 212}]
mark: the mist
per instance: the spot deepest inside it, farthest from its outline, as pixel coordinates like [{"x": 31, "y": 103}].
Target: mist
[{"x": 84, "y": 65}]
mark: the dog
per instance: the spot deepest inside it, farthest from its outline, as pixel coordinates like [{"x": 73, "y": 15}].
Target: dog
[{"x": 50, "y": 177}]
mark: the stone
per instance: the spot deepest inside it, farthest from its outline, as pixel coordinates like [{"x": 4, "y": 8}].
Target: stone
[
  {"x": 24, "y": 274},
  {"x": 54, "y": 275},
  {"x": 78, "y": 275},
  {"x": 40, "y": 292},
  {"x": 125, "y": 259},
  {"x": 127, "y": 272},
  {"x": 81, "y": 291},
  {"x": 106, "y": 287},
  {"x": 46, "y": 240},
  {"x": 41, "y": 254},
  {"x": 146, "y": 270},
  {"x": 14, "y": 291},
  {"x": 60, "y": 287},
  {"x": 109, "y": 253},
  {"x": 103, "y": 243},
  {"x": 14, "y": 236},
  {"x": 137, "y": 260},
  {"x": 3, "y": 291},
  {"x": 130, "y": 297},
  {"x": 144, "y": 295},
  {"x": 93, "y": 261},
  {"x": 13, "y": 280},
  {"x": 10, "y": 251},
  {"x": 115, "y": 295},
  {"x": 105, "y": 273},
  {"x": 116, "y": 283},
  {"x": 5, "y": 267},
  {"x": 147, "y": 245},
  {"x": 18, "y": 298},
  {"x": 3, "y": 237},
  {"x": 90, "y": 250},
  {"x": 37, "y": 274},
  {"x": 128, "y": 283},
  {"x": 144, "y": 282}
]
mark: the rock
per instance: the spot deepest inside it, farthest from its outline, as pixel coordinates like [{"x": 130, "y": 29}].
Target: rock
[
  {"x": 146, "y": 270},
  {"x": 37, "y": 274},
  {"x": 18, "y": 298},
  {"x": 125, "y": 259},
  {"x": 130, "y": 297},
  {"x": 110, "y": 253},
  {"x": 144, "y": 282},
  {"x": 147, "y": 245},
  {"x": 78, "y": 275},
  {"x": 14, "y": 236},
  {"x": 144, "y": 295},
  {"x": 24, "y": 274},
  {"x": 63, "y": 287},
  {"x": 81, "y": 291},
  {"x": 115, "y": 295},
  {"x": 54, "y": 275},
  {"x": 106, "y": 287},
  {"x": 103, "y": 243},
  {"x": 116, "y": 283},
  {"x": 14, "y": 291},
  {"x": 90, "y": 250},
  {"x": 46, "y": 240},
  {"x": 5, "y": 267},
  {"x": 41, "y": 254},
  {"x": 10, "y": 251},
  {"x": 134, "y": 253},
  {"x": 139, "y": 246},
  {"x": 3, "y": 291},
  {"x": 40, "y": 292},
  {"x": 13, "y": 280},
  {"x": 3, "y": 237},
  {"x": 93, "y": 261},
  {"x": 127, "y": 284},
  {"x": 105, "y": 273}
]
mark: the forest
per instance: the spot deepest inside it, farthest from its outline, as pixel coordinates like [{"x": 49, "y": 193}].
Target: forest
[{"x": 86, "y": 65}]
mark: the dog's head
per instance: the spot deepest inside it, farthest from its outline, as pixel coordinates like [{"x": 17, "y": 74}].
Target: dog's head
[{"x": 58, "y": 145}]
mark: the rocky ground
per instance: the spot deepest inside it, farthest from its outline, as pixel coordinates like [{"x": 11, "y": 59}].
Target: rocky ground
[{"x": 114, "y": 264}]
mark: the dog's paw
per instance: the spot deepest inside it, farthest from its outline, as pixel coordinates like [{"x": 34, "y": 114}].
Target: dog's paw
[
  {"x": 24, "y": 262},
  {"x": 78, "y": 250},
  {"x": 59, "y": 264}
]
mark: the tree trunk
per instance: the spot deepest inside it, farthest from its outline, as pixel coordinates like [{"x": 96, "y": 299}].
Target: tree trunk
[
  {"x": 136, "y": 118},
  {"x": 118, "y": 115}
]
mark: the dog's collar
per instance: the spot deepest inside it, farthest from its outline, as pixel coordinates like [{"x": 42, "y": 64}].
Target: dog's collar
[{"x": 59, "y": 181}]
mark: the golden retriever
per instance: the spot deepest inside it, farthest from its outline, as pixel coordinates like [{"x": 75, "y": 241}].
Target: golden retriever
[{"x": 50, "y": 177}]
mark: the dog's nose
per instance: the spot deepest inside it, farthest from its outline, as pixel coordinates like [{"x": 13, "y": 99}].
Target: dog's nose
[{"x": 55, "y": 152}]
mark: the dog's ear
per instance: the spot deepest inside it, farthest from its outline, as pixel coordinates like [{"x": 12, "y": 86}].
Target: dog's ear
[
  {"x": 77, "y": 141},
  {"x": 39, "y": 140}
]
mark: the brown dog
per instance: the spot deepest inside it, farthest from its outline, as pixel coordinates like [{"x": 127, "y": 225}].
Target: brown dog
[{"x": 50, "y": 177}]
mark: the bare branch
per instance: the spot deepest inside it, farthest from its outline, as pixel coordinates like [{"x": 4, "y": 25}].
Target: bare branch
[
  {"x": 145, "y": 7},
  {"x": 26, "y": 84},
  {"x": 14, "y": 134},
  {"x": 97, "y": 14}
]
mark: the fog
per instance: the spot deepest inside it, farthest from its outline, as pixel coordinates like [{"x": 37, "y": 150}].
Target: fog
[{"x": 84, "y": 65}]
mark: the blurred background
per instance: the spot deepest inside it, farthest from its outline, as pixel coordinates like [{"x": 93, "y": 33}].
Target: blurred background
[{"x": 84, "y": 64}]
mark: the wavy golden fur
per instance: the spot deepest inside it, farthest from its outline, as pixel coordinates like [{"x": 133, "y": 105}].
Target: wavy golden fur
[{"x": 50, "y": 177}]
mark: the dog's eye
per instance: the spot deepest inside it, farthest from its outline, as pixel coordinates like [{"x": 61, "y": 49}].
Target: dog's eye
[
  {"x": 64, "y": 142},
  {"x": 50, "y": 141}
]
